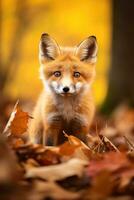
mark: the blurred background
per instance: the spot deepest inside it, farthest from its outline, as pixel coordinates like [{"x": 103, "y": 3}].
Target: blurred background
[{"x": 69, "y": 22}]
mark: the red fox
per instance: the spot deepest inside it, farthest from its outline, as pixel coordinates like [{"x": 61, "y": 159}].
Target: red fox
[{"x": 66, "y": 103}]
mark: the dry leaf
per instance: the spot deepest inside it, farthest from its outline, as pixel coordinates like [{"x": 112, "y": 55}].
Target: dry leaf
[
  {"x": 54, "y": 191},
  {"x": 48, "y": 158},
  {"x": 126, "y": 177},
  {"x": 111, "y": 162},
  {"x": 41, "y": 154},
  {"x": 102, "y": 186},
  {"x": 66, "y": 149},
  {"x": 7, "y": 129},
  {"x": 18, "y": 122},
  {"x": 57, "y": 172},
  {"x": 79, "y": 148},
  {"x": 75, "y": 141}
]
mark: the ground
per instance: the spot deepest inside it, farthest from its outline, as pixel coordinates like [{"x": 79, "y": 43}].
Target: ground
[{"x": 103, "y": 169}]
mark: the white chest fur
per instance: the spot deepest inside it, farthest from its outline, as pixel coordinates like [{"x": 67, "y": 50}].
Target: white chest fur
[{"x": 67, "y": 109}]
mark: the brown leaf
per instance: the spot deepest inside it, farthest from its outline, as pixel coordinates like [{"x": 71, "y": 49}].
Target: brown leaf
[
  {"x": 57, "y": 172},
  {"x": 67, "y": 149},
  {"x": 81, "y": 150},
  {"x": 126, "y": 176},
  {"x": 41, "y": 154},
  {"x": 111, "y": 162},
  {"x": 102, "y": 186},
  {"x": 75, "y": 141},
  {"x": 48, "y": 158},
  {"x": 53, "y": 191},
  {"x": 17, "y": 123},
  {"x": 20, "y": 122}
]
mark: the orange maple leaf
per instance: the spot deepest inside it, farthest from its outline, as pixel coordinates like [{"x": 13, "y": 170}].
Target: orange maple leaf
[{"x": 20, "y": 122}]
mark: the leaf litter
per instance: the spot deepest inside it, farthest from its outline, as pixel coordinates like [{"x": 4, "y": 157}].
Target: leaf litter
[{"x": 103, "y": 169}]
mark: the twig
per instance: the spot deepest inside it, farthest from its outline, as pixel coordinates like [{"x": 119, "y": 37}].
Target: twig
[
  {"x": 128, "y": 141},
  {"x": 104, "y": 139}
]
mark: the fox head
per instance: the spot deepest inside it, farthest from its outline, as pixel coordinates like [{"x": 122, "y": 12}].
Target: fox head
[{"x": 67, "y": 71}]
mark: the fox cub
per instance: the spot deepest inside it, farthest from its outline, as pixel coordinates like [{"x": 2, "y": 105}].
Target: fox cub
[{"x": 66, "y": 103}]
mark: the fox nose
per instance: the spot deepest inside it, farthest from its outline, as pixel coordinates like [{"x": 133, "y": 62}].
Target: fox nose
[{"x": 66, "y": 89}]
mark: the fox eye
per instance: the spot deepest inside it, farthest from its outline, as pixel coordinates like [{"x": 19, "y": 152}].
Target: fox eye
[
  {"x": 76, "y": 74},
  {"x": 57, "y": 73}
]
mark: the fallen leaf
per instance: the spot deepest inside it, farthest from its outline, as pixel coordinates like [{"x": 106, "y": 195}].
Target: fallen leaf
[
  {"x": 126, "y": 177},
  {"x": 12, "y": 115},
  {"x": 53, "y": 191},
  {"x": 79, "y": 149},
  {"x": 111, "y": 162},
  {"x": 17, "y": 123},
  {"x": 75, "y": 141},
  {"x": 102, "y": 186},
  {"x": 66, "y": 149},
  {"x": 41, "y": 154},
  {"x": 57, "y": 172},
  {"x": 48, "y": 158}
]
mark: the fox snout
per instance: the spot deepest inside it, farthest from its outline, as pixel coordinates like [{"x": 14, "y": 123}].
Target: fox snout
[
  {"x": 64, "y": 89},
  {"x": 67, "y": 90},
  {"x": 73, "y": 89},
  {"x": 67, "y": 85}
]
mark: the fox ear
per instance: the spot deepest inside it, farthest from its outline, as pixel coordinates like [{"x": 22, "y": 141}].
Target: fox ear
[
  {"x": 87, "y": 50},
  {"x": 48, "y": 48}
]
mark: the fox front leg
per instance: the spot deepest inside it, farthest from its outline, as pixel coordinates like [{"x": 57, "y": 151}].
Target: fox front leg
[
  {"x": 50, "y": 136},
  {"x": 52, "y": 129},
  {"x": 35, "y": 130}
]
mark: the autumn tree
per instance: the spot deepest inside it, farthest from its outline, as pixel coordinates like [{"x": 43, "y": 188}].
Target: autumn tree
[
  {"x": 121, "y": 75},
  {"x": 25, "y": 16}
]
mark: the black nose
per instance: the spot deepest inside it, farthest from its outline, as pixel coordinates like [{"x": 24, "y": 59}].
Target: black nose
[{"x": 66, "y": 89}]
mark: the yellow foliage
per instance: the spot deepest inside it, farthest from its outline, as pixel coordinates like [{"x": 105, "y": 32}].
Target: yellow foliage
[{"x": 68, "y": 22}]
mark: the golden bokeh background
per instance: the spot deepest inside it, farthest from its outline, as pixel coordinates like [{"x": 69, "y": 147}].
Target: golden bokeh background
[{"x": 68, "y": 22}]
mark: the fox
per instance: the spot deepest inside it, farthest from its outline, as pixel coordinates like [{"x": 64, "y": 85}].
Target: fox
[{"x": 66, "y": 103}]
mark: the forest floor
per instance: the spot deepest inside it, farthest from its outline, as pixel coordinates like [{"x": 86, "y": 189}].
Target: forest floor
[{"x": 103, "y": 169}]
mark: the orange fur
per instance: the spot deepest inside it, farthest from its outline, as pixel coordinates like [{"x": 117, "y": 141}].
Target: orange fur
[{"x": 71, "y": 112}]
